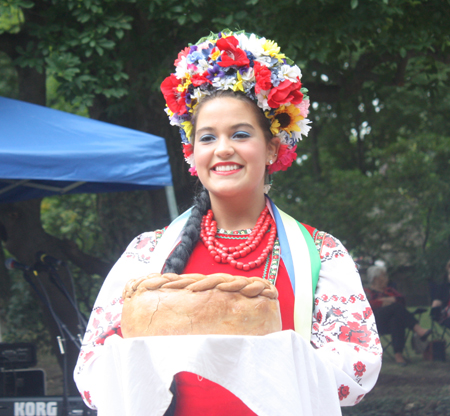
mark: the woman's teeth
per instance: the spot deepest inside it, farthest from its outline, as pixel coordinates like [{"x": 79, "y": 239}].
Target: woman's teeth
[{"x": 225, "y": 168}]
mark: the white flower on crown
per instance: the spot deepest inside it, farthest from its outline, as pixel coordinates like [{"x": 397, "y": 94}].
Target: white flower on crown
[
  {"x": 264, "y": 60},
  {"x": 249, "y": 75},
  {"x": 182, "y": 68},
  {"x": 198, "y": 94},
  {"x": 262, "y": 100},
  {"x": 251, "y": 44},
  {"x": 190, "y": 160},
  {"x": 304, "y": 129},
  {"x": 290, "y": 72},
  {"x": 224, "y": 83},
  {"x": 203, "y": 65},
  {"x": 248, "y": 78}
]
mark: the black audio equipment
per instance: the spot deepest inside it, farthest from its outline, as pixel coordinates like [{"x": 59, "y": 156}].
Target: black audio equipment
[
  {"x": 22, "y": 383},
  {"x": 17, "y": 355},
  {"x": 44, "y": 406}
]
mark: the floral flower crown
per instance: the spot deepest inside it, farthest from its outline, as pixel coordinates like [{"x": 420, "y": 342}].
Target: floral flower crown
[{"x": 246, "y": 63}]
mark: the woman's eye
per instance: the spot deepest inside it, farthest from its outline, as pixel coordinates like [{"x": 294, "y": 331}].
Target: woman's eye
[
  {"x": 207, "y": 138},
  {"x": 241, "y": 135}
]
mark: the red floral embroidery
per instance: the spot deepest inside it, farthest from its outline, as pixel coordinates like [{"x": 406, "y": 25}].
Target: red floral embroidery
[
  {"x": 331, "y": 327},
  {"x": 336, "y": 312},
  {"x": 355, "y": 333},
  {"x": 112, "y": 329},
  {"x": 87, "y": 397},
  {"x": 319, "y": 317},
  {"x": 357, "y": 316},
  {"x": 367, "y": 313},
  {"x": 142, "y": 243},
  {"x": 359, "y": 368},
  {"x": 88, "y": 355},
  {"x": 329, "y": 242},
  {"x": 359, "y": 398},
  {"x": 343, "y": 392}
]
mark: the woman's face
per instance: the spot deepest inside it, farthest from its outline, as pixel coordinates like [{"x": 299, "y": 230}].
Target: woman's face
[{"x": 230, "y": 151}]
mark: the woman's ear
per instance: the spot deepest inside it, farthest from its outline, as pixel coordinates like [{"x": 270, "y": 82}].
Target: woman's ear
[{"x": 272, "y": 149}]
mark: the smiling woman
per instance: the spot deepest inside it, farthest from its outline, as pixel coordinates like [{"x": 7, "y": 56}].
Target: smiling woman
[
  {"x": 231, "y": 154},
  {"x": 241, "y": 108}
]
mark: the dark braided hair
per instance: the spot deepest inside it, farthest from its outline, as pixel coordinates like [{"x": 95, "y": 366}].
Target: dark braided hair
[{"x": 179, "y": 257}]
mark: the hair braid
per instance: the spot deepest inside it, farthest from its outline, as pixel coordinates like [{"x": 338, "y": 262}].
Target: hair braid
[{"x": 177, "y": 261}]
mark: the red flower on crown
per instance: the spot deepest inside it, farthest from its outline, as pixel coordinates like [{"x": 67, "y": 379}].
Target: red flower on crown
[
  {"x": 184, "y": 52},
  {"x": 285, "y": 158},
  {"x": 231, "y": 54},
  {"x": 286, "y": 92},
  {"x": 262, "y": 76},
  {"x": 175, "y": 99},
  {"x": 199, "y": 79}
]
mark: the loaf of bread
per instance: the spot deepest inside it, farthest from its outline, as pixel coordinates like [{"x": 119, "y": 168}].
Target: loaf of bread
[{"x": 193, "y": 304}]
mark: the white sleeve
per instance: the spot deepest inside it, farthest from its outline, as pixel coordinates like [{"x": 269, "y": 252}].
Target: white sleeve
[
  {"x": 343, "y": 326},
  {"x": 107, "y": 312}
]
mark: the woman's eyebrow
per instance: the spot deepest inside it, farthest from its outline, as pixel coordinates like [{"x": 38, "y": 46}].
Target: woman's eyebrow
[
  {"x": 233, "y": 127},
  {"x": 240, "y": 125}
]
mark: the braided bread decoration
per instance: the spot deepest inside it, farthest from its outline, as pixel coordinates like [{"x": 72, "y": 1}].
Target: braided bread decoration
[{"x": 172, "y": 304}]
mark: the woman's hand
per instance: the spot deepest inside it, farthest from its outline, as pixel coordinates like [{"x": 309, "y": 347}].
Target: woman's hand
[
  {"x": 436, "y": 303},
  {"x": 387, "y": 300}
]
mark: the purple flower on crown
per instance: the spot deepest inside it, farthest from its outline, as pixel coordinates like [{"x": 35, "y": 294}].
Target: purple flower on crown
[{"x": 215, "y": 71}]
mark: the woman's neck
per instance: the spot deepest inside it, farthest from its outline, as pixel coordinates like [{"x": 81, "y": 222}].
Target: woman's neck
[{"x": 237, "y": 215}]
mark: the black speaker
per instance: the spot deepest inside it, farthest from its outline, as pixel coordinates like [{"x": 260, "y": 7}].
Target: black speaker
[{"x": 22, "y": 383}]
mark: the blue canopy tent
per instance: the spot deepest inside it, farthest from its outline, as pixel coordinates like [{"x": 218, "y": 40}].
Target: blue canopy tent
[{"x": 47, "y": 152}]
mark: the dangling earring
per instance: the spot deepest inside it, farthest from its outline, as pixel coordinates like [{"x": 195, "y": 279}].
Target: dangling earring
[{"x": 267, "y": 181}]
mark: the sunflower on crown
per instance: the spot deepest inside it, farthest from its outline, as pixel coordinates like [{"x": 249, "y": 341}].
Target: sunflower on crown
[{"x": 243, "y": 63}]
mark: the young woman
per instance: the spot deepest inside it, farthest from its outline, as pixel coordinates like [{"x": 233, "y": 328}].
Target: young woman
[{"x": 240, "y": 107}]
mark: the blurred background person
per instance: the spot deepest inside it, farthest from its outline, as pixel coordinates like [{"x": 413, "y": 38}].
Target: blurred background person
[{"x": 389, "y": 309}]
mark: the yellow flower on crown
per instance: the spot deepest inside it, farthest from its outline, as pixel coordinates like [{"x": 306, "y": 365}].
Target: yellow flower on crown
[
  {"x": 272, "y": 49},
  {"x": 185, "y": 85},
  {"x": 187, "y": 127},
  {"x": 287, "y": 118},
  {"x": 239, "y": 86},
  {"x": 275, "y": 126},
  {"x": 215, "y": 55}
]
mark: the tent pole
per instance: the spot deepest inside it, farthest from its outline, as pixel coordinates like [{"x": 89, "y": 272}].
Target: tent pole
[{"x": 171, "y": 202}]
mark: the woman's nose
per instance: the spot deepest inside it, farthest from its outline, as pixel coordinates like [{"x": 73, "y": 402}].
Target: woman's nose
[{"x": 224, "y": 148}]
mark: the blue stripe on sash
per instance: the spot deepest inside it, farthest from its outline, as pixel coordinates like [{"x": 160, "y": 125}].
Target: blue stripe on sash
[{"x": 285, "y": 251}]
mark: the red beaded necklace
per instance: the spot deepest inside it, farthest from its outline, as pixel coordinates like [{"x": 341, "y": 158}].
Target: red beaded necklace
[{"x": 223, "y": 254}]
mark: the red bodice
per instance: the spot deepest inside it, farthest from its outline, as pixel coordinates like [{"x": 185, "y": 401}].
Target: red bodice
[{"x": 197, "y": 396}]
